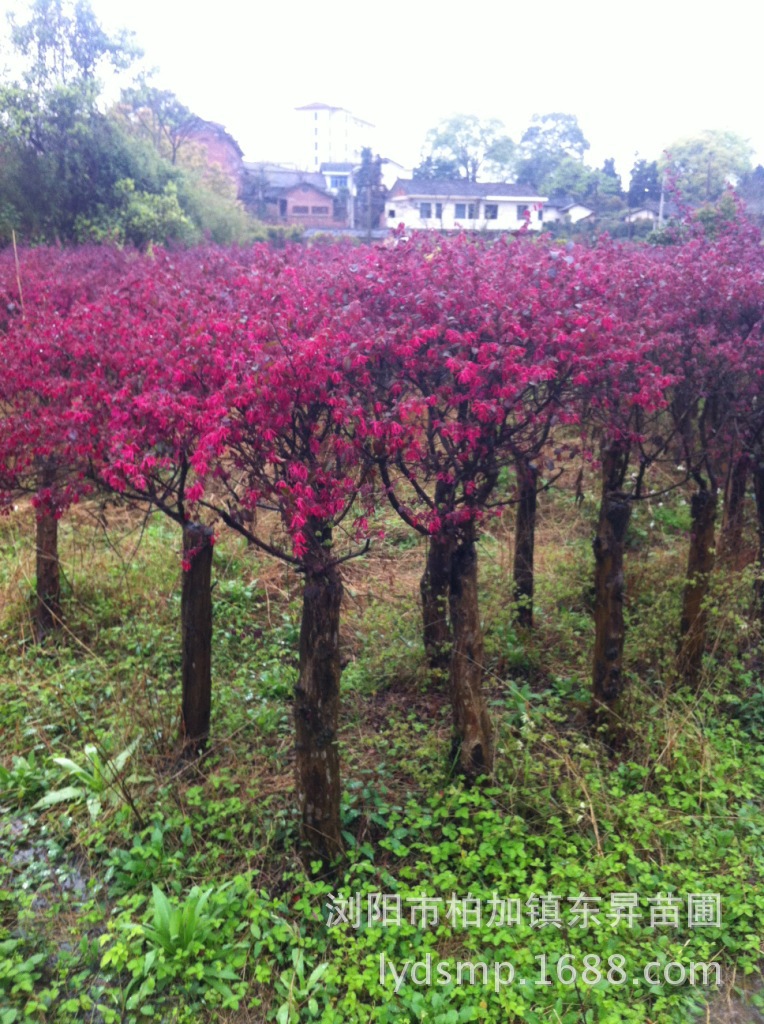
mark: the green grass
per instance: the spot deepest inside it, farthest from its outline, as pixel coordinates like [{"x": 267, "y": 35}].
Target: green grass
[{"x": 87, "y": 900}]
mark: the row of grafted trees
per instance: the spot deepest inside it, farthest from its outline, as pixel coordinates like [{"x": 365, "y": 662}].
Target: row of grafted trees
[{"x": 444, "y": 378}]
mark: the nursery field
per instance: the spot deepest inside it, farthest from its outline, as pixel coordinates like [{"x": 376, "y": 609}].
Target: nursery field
[
  {"x": 85, "y": 874},
  {"x": 381, "y": 631}
]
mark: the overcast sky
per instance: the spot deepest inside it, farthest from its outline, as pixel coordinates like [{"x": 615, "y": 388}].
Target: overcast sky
[{"x": 637, "y": 76}]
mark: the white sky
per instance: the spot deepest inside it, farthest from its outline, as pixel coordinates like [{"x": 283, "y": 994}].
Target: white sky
[{"x": 637, "y": 75}]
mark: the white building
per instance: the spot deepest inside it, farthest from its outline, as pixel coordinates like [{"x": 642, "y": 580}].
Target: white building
[
  {"x": 570, "y": 211},
  {"x": 330, "y": 135},
  {"x": 473, "y": 206}
]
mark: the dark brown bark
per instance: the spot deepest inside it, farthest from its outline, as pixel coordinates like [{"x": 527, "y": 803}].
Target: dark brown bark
[
  {"x": 473, "y": 739},
  {"x": 700, "y": 564},
  {"x": 609, "y": 628},
  {"x": 734, "y": 507},
  {"x": 434, "y": 587},
  {"x": 525, "y": 534},
  {"x": 48, "y": 615},
  {"x": 316, "y": 712},
  {"x": 196, "y": 624},
  {"x": 758, "y": 487}
]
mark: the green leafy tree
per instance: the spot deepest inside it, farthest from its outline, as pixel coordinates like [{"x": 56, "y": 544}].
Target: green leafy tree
[
  {"x": 67, "y": 171},
  {"x": 62, "y": 44},
  {"x": 610, "y": 179},
  {"x": 158, "y": 116},
  {"x": 706, "y": 164},
  {"x": 549, "y": 141},
  {"x": 604, "y": 192},
  {"x": 370, "y": 199},
  {"x": 139, "y": 218},
  {"x": 569, "y": 178},
  {"x": 473, "y": 146},
  {"x": 437, "y": 168},
  {"x": 751, "y": 190},
  {"x": 62, "y": 157},
  {"x": 645, "y": 184}
]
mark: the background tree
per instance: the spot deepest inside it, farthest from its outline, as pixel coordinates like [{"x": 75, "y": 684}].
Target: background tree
[
  {"x": 62, "y": 46},
  {"x": 570, "y": 178},
  {"x": 370, "y": 198},
  {"x": 473, "y": 145},
  {"x": 751, "y": 190},
  {"x": 644, "y": 185},
  {"x": 70, "y": 172},
  {"x": 158, "y": 116},
  {"x": 63, "y": 156},
  {"x": 437, "y": 168},
  {"x": 548, "y": 141},
  {"x": 706, "y": 164}
]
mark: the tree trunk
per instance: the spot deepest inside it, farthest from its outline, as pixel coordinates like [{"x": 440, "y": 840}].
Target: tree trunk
[
  {"x": 316, "y": 711},
  {"x": 525, "y": 533},
  {"x": 609, "y": 628},
  {"x": 196, "y": 624},
  {"x": 473, "y": 740},
  {"x": 734, "y": 507},
  {"x": 758, "y": 486},
  {"x": 48, "y": 615},
  {"x": 434, "y": 587},
  {"x": 700, "y": 564}
]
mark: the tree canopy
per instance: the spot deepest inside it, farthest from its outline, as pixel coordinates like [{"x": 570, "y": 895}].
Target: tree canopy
[
  {"x": 471, "y": 146},
  {"x": 549, "y": 141},
  {"x": 704, "y": 165},
  {"x": 645, "y": 183},
  {"x": 68, "y": 171}
]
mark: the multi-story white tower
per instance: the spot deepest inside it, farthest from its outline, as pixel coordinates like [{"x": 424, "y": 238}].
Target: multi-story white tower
[{"x": 330, "y": 135}]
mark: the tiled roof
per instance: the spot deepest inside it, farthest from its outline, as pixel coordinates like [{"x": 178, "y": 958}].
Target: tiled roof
[
  {"x": 285, "y": 177},
  {"x": 461, "y": 189}
]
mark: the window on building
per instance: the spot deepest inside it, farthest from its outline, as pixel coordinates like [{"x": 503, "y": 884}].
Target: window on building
[
  {"x": 300, "y": 209},
  {"x": 523, "y": 212},
  {"x": 338, "y": 181},
  {"x": 541, "y": 214},
  {"x": 322, "y": 211},
  {"x": 425, "y": 211},
  {"x": 391, "y": 213},
  {"x": 438, "y": 211},
  {"x": 491, "y": 211},
  {"x": 460, "y": 211}
]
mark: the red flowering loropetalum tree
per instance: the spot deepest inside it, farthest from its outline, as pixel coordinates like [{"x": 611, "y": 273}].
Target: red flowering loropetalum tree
[
  {"x": 470, "y": 370},
  {"x": 622, "y": 397},
  {"x": 46, "y": 295},
  {"x": 280, "y": 453},
  {"x": 142, "y": 412},
  {"x": 706, "y": 306}
]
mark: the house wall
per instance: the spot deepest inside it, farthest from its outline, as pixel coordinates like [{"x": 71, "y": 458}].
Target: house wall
[
  {"x": 221, "y": 151},
  {"x": 631, "y": 218},
  {"x": 303, "y": 203},
  {"x": 577, "y": 213},
  {"x": 408, "y": 212}
]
